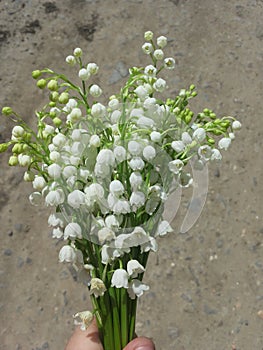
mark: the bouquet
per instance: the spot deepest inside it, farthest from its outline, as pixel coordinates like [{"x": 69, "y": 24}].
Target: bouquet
[{"x": 108, "y": 168}]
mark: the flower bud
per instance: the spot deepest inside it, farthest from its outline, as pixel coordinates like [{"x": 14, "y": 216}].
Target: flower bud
[
  {"x": 95, "y": 90},
  {"x": 84, "y": 74},
  {"x": 92, "y": 68},
  {"x": 17, "y": 148},
  {"x": 158, "y": 54},
  {"x": 41, "y": 83},
  {"x": 71, "y": 60},
  {"x": 13, "y": 160},
  {"x": 52, "y": 85},
  {"x": 77, "y": 52},
  {"x": 18, "y": 131},
  {"x": 7, "y": 110},
  {"x": 54, "y": 96},
  {"x": 148, "y": 35},
  {"x": 161, "y": 41},
  {"x": 28, "y": 176},
  {"x": 63, "y": 98},
  {"x": 36, "y": 74},
  {"x": 3, "y": 147},
  {"x": 57, "y": 121}
]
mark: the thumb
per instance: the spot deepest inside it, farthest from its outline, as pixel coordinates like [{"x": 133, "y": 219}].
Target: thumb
[{"x": 140, "y": 343}]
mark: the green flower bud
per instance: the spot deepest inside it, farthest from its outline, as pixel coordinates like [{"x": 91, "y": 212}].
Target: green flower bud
[
  {"x": 41, "y": 83},
  {"x": 13, "y": 160},
  {"x": 63, "y": 98},
  {"x": 17, "y": 148},
  {"x": 211, "y": 141},
  {"x": 225, "y": 124},
  {"x": 212, "y": 115},
  {"x": 217, "y": 132},
  {"x": 54, "y": 96},
  {"x": 188, "y": 118},
  {"x": 27, "y": 137},
  {"x": 194, "y": 93},
  {"x": 3, "y": 147},
  {"x": 7, "y": 110},
  {"x": 28, "y": 176},
  {"x": 57, "y": 121},
  {"x": 25, "y": 147},
  {"x": 192, "y": 87},
  {"x": 52, "y": 85},
  {"x": 52, "y": 104},
  {"x": 36, "y": 74}
]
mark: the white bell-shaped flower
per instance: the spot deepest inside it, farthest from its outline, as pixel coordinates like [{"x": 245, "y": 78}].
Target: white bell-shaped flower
[
  {"x": 136, "y": 288},
  {"x": 83, "y": 319},
  {"x": 120, "y": 279},
  {"x": 69, "y": 171},
  {"x": 68, "y": 254},
  {"x": 95, "y": 90},
  {"x": 158, "y": 54},
  {"x": 137, "y": 200},
  {"x": 134, "y": 148},
  {"x": 106, "y": 156},
  {"x": 98, "y": 110},
  {"x": 97, "y": 287},
  {"x": 224, "y": 143},
  {"x": 39, "y": 183},
  {"x": 92, "y": 68},
  {"x": 141, "y": 92},
  {"x": 59, "y": 140},
  {"x": 112, "y": 222},
  {"x": 236, "y": 125},
  {"x": 54, "y": 198},
  {"x": 76, "y": 198},
  {"x": 135, "y": 180},
  {"x": 150, "y": 244},
  {"x": 216, "y": 155},
  {"x": 94, "y": 141},
  {"x": 134, "y": 268},
  {"x": 120, "y": 153},
  {"x": 116, "y": 188},
  {"x": 56, "y": 219},
  {"x": 160, "y": 85},
  {"x": 163, "y": 228},
  {"x": 136, "y": 164},
  {"x": 105, "y": 234},
  {"x": 121, "y": 207},
  {"x": 175, "y": 166},
  {"x": 199, "y": 134},
  {"x": 156, "y": 136},
  {"x": 186, "y": 138},
  {"x": 161, "y": 41},
  {"x": 72, "y": 230},
  {"x": 84, "y": 74},
  {"x": 178, "y": 146},
  {"x": 57, "y": 232},
  {"x": 149, "y": 152}
]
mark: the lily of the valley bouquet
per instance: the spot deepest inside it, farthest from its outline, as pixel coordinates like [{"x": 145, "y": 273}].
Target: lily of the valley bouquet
[{"x": 107, "y": 169}]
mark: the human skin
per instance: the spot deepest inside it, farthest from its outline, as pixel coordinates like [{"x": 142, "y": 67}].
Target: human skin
[{"x": 89, "y": 340}]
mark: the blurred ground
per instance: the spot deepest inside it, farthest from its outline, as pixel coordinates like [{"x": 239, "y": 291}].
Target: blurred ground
[{"x": 207, "y": 284}]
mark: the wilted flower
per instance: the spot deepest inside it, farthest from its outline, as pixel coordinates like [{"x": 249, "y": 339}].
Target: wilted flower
[
  {"x": 97, "y": 287},
  {"x": 85, "y": 317},
  {"x": 137, "y": 288}
]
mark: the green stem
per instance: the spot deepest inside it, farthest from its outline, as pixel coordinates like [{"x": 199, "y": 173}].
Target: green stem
[{"x": 124, "y": 318}]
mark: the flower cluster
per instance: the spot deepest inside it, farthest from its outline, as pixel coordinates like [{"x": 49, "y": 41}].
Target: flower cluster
[{"x": 108, "y": 168}]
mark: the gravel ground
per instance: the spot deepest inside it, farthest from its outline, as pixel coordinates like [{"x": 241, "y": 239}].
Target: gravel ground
[{"x": 206, "y": 284}]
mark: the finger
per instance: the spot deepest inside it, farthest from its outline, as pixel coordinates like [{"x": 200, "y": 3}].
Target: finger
[
  {"x": 85, "y": 340},
  {"x": 140, "y": 343}
]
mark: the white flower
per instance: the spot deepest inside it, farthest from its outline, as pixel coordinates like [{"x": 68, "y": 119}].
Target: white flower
[
  {"x": 150, "y": 104},
  {"x": 205, "y": 152},
  {"x": 55, "y": 197},
  {"x": 112, "y": 222},
  {"x": 49, "y": 130},
  {"x": 95, "y": 90},
  {"x": 178, "y": 146},
  {"x": 216, "y": 155},
  {"x": 119, "y": 153},
  {"x": 175, "y": 166},
  {"x": 71, "y": 60},
  {"x": 236, "y": 125},
  {"x": 137, "y": 237},
  {"x": 120, "y": 279},
  {"x": 224, "y": 143},
  {"x": 163, "y": 228},
  {"x": 162, "y": 41},
  {"x": 199, "y": 134},
  {"x": 150, "y": 70},
  {"x": 155, "y": 136},
  {"x": 137, "y": 288},
  {"x": 39, "y": 183},
  {"x": 136, "y": 163},
  {"x": 77, "y": 52},
  {"x": 141, "y": 92},
  {"x": 94, "y": 191},
  {"x": 135, "y": 180},
  {"x": 106, "y": 156},
  {"x": 24, "y": 160},
  {"x": 113, "y": 103},
  {"x": 35, "y": 198},
  {"x": 116, "y": 188},
  {"x": 92, "y": 68},
  {"x": 147, "y": 48},
  {"x": 84, "y": 74},
  {"x": 158, "y": 54},
  {"x": 134, "y": 148},
  {"x": 134, "y": 268},
  {"x": 148, "y": 35},
  {"x": 186, "y": 138},
  {"x": 76, "y": 198},
  {"x": 57, "y": 233},
  {"x": 105, "y": 234},
  {"x": 95, "y": 141},
  {"x": 231, "y": 135},
  {"x": 160, "y": 85},
  {"x": 137, "y": 200},
  {"x": 68, "y": 254},
  {"x": 69, "y": 171},
  {"x": 56, "y": 219},
  {"x": 149, "y": 152},
  {"x": 97, "y": 287},
  {"x": 169, "y": 63},
  {"x": 18, "y": 131},
  {"x": 72, "y": 230},
  {"x": 54, "y": 171},
  {"x": 86, "y": 318},
  {"x": 75, "y": 115},
  {"x": 59, "y": 140},
  {"x": 54, "y": 156},
  {"x": 28, "y": 176},
  {"x": 121, "y": 207}
]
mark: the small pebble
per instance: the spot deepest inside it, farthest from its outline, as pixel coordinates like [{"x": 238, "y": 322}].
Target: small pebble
[{"x": 8, "y": 252}]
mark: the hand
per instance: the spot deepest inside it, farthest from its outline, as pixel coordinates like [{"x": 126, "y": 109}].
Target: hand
[{"x": 89, "y": 340}]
